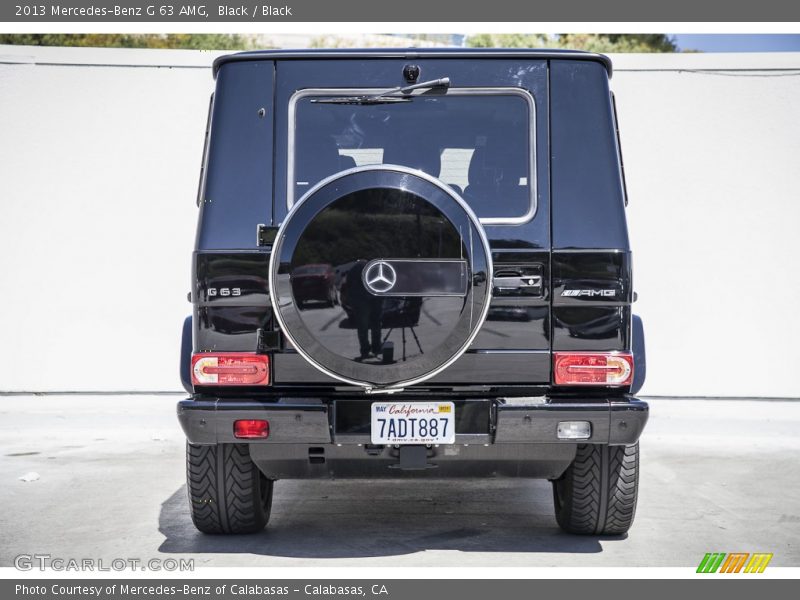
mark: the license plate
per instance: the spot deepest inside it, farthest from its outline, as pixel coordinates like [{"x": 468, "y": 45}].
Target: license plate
[{"x": 413, "y": 423}]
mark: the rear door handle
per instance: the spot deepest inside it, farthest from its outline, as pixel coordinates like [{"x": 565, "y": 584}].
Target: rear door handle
[{"x": 517, "y": 282}]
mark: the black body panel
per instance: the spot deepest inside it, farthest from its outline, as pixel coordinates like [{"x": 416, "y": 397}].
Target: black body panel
[
  {"x": 231, "y": 300},
  {"x": 576, "y": 241},
  {"x": 236, "y": 194},
  {"x": 591, "y": 300},
  {"x": 588, "y": 192}
]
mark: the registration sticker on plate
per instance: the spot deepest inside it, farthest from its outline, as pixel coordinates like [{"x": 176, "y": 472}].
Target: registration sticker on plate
[{"x": 413, "y": 423}]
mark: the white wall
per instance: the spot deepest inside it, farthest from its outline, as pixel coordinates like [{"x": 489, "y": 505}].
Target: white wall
[
  {"x": 98, "y": 172},
  {"x": 713, "y": 170}
]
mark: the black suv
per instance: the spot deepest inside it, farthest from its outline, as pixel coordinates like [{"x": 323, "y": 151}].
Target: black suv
[{"x": 411, "y": 264}]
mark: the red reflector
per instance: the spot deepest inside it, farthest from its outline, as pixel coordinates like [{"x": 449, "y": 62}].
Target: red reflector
[
  {"x": 583, "y": 368},
  {"x": 230, "y": 368},
  {"x": 251, "y": 428}
]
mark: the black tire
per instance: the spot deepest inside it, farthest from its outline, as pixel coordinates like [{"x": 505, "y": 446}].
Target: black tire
[
  {"x": 227, "y": 492},
  {"x": 596, "y": 495}
]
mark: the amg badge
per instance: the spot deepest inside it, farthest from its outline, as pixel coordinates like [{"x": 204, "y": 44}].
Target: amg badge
[{"x": 590, "y": 293}]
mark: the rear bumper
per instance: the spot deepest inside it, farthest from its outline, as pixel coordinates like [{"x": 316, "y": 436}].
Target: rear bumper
[{"x": 312, "y": 421}]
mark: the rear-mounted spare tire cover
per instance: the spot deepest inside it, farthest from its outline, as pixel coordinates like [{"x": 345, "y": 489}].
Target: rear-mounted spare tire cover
[{"x": 380, "y": 276}]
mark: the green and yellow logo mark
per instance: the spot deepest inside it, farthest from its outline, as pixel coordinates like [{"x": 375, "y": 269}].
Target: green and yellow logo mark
[{"x": 736, "y": 562}]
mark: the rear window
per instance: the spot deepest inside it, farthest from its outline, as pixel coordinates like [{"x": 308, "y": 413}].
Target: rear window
[{"x": 477, "y": 141}]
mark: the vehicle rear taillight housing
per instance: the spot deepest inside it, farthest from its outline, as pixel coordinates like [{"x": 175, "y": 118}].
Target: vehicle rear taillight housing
[
  {"x": 230, "y": 368},
  {"x": 592, "y": 368}
]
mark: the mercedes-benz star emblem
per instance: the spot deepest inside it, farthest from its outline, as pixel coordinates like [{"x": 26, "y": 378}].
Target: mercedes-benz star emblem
[{"x": 380, "y": 277}]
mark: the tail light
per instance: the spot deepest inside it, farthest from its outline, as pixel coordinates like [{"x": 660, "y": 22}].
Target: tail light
[
  {"x": 230, "y": 368},
  {"x": 585, "y": 368},
  {"x": 249, "y": 429}
]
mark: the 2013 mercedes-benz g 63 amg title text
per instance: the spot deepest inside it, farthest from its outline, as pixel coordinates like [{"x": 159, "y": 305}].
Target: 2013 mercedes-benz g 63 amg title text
[{"x": 412, "y": 264}]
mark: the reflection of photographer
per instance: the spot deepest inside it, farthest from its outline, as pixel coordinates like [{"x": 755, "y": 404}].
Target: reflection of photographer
[{"x": 364, "y": 310}]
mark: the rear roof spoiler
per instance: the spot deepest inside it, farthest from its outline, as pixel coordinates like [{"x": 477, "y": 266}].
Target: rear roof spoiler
[{"x": 412, "y": 54}]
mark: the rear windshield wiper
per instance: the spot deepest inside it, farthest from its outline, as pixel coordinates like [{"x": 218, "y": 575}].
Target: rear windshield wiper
[{"x": 388, "y": 96}]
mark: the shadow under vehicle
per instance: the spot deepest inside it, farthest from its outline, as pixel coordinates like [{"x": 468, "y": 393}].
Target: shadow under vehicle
[{"x": 467, "y": 209}]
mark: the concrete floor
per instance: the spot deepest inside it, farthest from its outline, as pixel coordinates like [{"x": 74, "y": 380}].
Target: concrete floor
[{"x": 717, "y": 476}]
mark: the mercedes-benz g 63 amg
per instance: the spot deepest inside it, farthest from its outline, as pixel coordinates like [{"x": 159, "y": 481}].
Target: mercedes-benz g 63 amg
[{"x": 410, "y": 264}]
